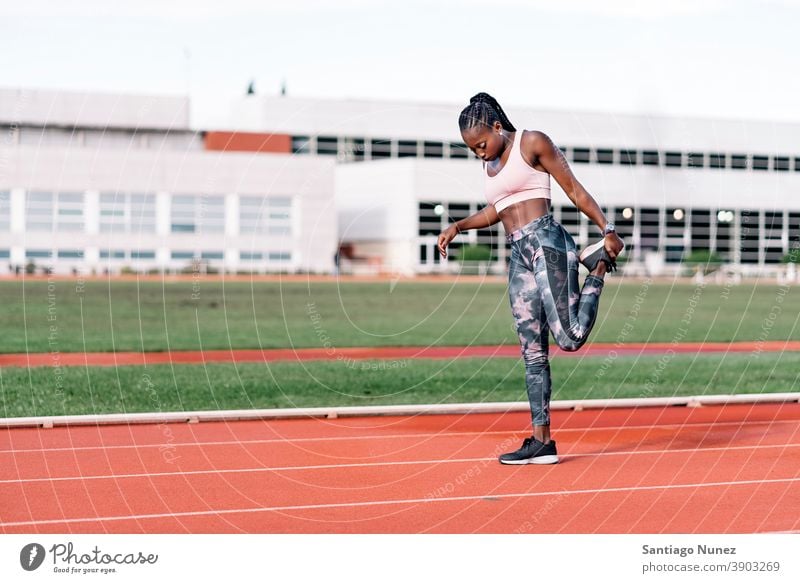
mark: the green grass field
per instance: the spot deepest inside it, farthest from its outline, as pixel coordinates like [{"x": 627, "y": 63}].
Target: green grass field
[
  {"x": 205, "y": 314},
  {"x": 209, "y": 315},
  {"x": 44, "y": 391}
]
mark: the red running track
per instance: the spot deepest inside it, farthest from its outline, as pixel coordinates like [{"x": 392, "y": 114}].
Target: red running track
[
  {"x": 386, "y": 352},
  {"x": 726, "y": 469}
]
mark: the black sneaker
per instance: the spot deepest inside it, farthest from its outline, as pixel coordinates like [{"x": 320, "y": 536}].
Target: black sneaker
[
  {"x": 596, "y": 253},
  {"x": 532, "y": 452}
]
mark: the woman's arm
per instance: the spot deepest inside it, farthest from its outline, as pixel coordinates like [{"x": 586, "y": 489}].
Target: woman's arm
[
  {"x": 553, "y": 160},
  {"x": 486, "y": 217}
]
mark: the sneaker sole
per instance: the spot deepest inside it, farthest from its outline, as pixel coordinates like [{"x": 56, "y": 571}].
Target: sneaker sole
[
  {"x": 540, "y": 460},
  {"x": 591, "y": 249},
  {"x": 544, "y": 459}
]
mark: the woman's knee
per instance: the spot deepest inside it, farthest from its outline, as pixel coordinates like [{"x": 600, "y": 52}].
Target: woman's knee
[
  {"x": 568, "y": 344},
  {"x": 535, "y": 358}
]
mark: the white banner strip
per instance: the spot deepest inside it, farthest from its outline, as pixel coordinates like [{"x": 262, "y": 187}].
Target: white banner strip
[{"x": 400, "y": 558}]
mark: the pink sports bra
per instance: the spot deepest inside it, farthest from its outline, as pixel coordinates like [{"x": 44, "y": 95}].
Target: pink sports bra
[{"x": 516, "y": 181}]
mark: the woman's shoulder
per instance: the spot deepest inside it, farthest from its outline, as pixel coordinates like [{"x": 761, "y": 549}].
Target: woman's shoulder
[
  {"x": 533, "y": 137},
  {"x": 533, "y": 143}
]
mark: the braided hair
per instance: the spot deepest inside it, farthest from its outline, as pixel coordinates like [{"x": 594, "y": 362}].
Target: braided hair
[{"x": 483, "y": 109}]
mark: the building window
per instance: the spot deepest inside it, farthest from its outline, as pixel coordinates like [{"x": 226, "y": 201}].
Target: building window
[
  {"x": 211, "y": 214},
  {"x": 717, "y": 160},
  {"x": 627, "y": 157},
  {"x": 5, "y": 253},
  {"x": 5, "y": 210},
  {"x": 109, "y": 254},
  {"x": 113, "y": 213},
  {"x": 749, "y": 235},
  {"x": 301, "y": 145},
  {"x": 673, "y": 159},
  {"x": 182, "y": 255},
  {"x": 280, "y": 256},
  {"x": 38, "y": 254},
  {"x": 430, "y": 218},
  {"x": 581, "y": 155},
  {"x": 265, "y": 215},
  {"x": 127, "y": 213},
  {"x": 458, "y": 150},
  {"x": 69, "y": 212},
  {"x": 605, "y": 156},
  {"x": 381, "y": 148},
  {"x": 760, "y": 162},
  {"x": 354, "y": 149},
  {"x": 695, "y": 160},
  {"x": 650, "y": 158},
  {"x": 406, "y": 148},
  {"x": 215, "y": 255},
  {"x": 739, "y": 161},
  {"x": 327, "y": 145},
  {"x": 797, "y": 164},
  {"x": 650, "y": 228},
  {"x": 70, "y": 254},
  {"x": 780, "y": 163},
  {"x": 142, "y": 213},
  {"x": 433, "y": 149},
  {"x": 44, "y": 211},
  {"x": 143, "y": 254},
  {"x": 249, "y": 256},
  {"x": 198, "y": 214},
  {"x": 183, "y": 214},
  {"x": 793, "y": 231},
  {"x": 700, "y": 229}
]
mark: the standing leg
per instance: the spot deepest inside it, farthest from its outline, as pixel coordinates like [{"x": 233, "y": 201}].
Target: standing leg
[{"x": 533, "y": 332}]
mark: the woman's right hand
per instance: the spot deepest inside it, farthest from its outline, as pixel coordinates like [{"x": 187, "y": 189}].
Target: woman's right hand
[{"x": 444, "y": 239}]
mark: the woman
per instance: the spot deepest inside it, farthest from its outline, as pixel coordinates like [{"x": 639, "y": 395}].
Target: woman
[{"x": 543, "y": 273}]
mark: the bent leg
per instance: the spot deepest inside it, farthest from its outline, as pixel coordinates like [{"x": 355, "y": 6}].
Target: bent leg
[{"x": 571, "y": 310}]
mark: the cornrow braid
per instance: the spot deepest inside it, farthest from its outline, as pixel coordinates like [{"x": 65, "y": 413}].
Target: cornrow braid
[{"x": 483, "y": 109}]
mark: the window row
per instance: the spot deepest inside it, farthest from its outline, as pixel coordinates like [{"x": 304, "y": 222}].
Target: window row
[
  {"x": 357, "y": 149},
  {"x": 116, "y": 139},
  {"x": 746, "y": 236},
  {"x": 122, "y": 255},
  {"x": 677, "y": 159},
  {"x": 136, "y": 213}
]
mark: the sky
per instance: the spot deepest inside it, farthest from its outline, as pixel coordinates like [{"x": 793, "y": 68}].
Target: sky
[{"x": 709, "y": 58}]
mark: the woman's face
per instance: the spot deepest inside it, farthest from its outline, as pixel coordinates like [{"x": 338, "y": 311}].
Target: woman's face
[{"x": 487, "y": 143}]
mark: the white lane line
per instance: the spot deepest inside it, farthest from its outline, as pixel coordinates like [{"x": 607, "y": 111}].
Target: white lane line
[
  {"x": 396, "y": 502},
  {"x": 292, "y": 440},
  {"x": 380, "y": 464}
]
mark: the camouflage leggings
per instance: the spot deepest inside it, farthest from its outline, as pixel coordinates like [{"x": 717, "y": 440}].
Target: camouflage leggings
[{"x": 545, "y": 296}]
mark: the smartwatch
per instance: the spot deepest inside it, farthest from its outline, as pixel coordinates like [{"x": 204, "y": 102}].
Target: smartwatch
[{"x": 610, "y": 228}]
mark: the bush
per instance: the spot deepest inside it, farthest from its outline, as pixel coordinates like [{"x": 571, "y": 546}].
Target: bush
[
  {"x": 704, "y": 260},
  {"x": 793, "y": 256},
  {"x": 702, "y": 256},
  {"x": 475, "y": 253}
]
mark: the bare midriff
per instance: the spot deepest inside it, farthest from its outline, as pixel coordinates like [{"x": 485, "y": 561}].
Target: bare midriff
[{"x": 520, "y": 214}]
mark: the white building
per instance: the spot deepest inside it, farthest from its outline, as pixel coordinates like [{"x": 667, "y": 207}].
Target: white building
[
  {"x": 103, "y": 182},
  {"x": 671, "y": 185},
  {"x": 93, "y": 182}
]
